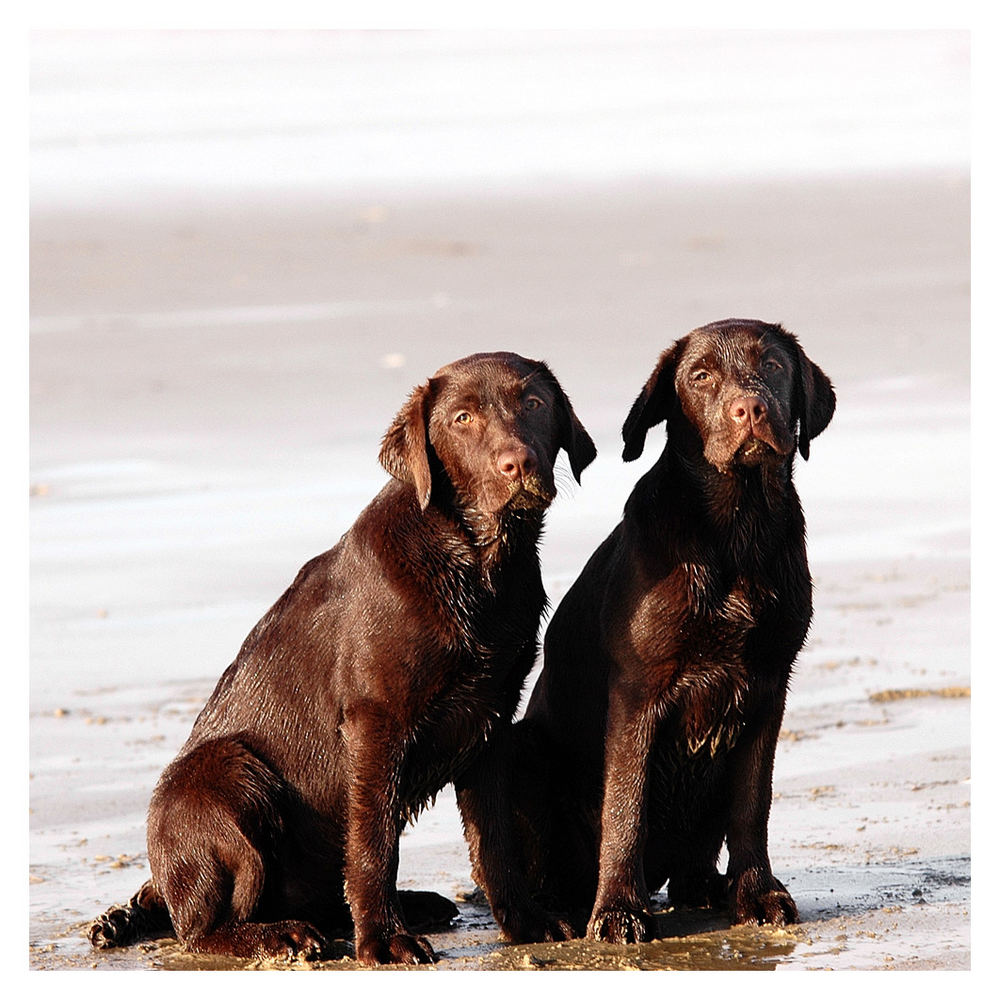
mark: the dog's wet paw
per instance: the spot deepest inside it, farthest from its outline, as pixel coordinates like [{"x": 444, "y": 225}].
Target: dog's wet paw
[
  {"x": 621, "y": 925},
  {"x": 110, "y": 929},
  {"x": 757, "y": 897},
  {"x": 283, "y": 939},
  {"x": 395, "y": 949}
]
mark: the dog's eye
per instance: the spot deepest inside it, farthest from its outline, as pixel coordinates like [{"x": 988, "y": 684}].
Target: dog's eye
[
  {"x": 533, "y": 403},
  {"x": 463, "y": 418},
  {"x": 772, "y": 366},
  {"x": 700, "y": 376}
]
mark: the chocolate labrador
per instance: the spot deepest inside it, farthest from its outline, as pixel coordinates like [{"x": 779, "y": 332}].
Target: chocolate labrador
[
  {"x": 666, "y": 664},
  {"x": 391, "y": 666}
]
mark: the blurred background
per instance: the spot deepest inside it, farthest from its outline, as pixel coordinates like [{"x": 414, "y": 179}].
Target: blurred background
[
  {"x": 143, "y": 114},
  {"x": 247, "y": 246},
  {"x": 259, "y": 240}
]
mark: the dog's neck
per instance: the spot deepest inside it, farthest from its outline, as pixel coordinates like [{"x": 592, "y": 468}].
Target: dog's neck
[
  {"x": 738, "y": 492},
  {"x": 494, "y": 535},
  {"x": 740, "y": 508},
  {"x": 491, "y": 536},
  {"x": 483, "y": 542}
]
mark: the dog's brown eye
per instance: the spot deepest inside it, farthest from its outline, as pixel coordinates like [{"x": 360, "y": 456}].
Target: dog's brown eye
[
  {"x": 700, "y": 376},
  {"x": 772, "y": 366},
  {"x": 532, "y": 403},
  {"x": 463, "y": 418}
]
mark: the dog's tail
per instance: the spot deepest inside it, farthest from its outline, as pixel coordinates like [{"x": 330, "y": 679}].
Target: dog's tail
[{"x": 143, "y": 916}]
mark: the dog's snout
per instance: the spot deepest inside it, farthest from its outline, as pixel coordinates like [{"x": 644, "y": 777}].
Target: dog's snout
[
  {"x": 748, "y": 410},
  {"x": 517, "y": 463}
]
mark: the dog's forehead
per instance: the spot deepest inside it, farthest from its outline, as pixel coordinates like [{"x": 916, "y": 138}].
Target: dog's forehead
[
  {"x": 736, "y": 346},
  {"x": 486, "y": 377}
]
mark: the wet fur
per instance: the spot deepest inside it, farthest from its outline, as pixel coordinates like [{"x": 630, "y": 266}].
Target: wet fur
[
  {"x": 649, "y": 737},
  {"x": 391, "y": 666}
]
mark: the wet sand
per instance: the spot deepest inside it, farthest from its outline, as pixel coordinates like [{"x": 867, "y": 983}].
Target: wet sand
[{"x": 209, "y": 383}]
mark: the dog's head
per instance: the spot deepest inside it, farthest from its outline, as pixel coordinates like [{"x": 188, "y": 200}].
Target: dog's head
[
  {"x": 486, "y": 429},
  {"x": 742, "y": 391}
]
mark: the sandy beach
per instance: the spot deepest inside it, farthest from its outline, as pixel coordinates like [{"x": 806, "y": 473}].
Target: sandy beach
[{"x": 211, "y": 372}]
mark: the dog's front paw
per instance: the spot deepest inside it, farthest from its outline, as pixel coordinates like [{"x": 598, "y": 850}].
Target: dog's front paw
[
  {"x": 394, "y": 949},
  {"x": 527, "y": 924},
  {"x": 621, "y": 925},
  {"x": 757, "y": 897}
]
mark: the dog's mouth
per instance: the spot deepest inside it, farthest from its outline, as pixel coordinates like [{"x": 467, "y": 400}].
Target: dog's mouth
[
  {"x": 754, "y": 450},
  {"x": 749, "y": 450},
  {"x": 529, "y": 493}
]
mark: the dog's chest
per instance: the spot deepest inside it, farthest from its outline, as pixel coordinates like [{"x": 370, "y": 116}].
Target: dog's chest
[
  {"x": 735, "y": 601},
  {"x": 456, "y": 726},
  {"x": 694, "y": 617},
  {"x": 706, "y": 707},
  {"x": 699, "y": 634},
  {"x": 471, "y": 674},
  {"x": 479, "y": 687}
]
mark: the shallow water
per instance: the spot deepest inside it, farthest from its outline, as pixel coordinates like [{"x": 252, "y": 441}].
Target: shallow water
[{"x": 891, "y": 916}]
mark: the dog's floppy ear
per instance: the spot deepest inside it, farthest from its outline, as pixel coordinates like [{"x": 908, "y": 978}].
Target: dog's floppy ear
[
  {"x": 653, "y": 404},
  {"x": 573, "y": 437},
  {"x": 405, "y": 448},
  {"x": 814, "y": 397}
]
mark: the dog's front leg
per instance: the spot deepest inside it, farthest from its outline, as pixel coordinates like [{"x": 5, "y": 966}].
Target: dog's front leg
[
  {"x": 484, "y": 798},
  {"x": 375, "y": 749},
  {"x": 755, "y": 895},
  {"x": 621, "y": 909}
]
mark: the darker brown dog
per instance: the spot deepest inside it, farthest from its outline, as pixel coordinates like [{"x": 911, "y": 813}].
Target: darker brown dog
[
  {"x": 666, "y": 664},
  {"x": 391, "y": 666}
]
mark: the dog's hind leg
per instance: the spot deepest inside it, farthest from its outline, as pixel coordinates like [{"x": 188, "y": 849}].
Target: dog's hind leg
[{"x": 215, "y": 823}]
